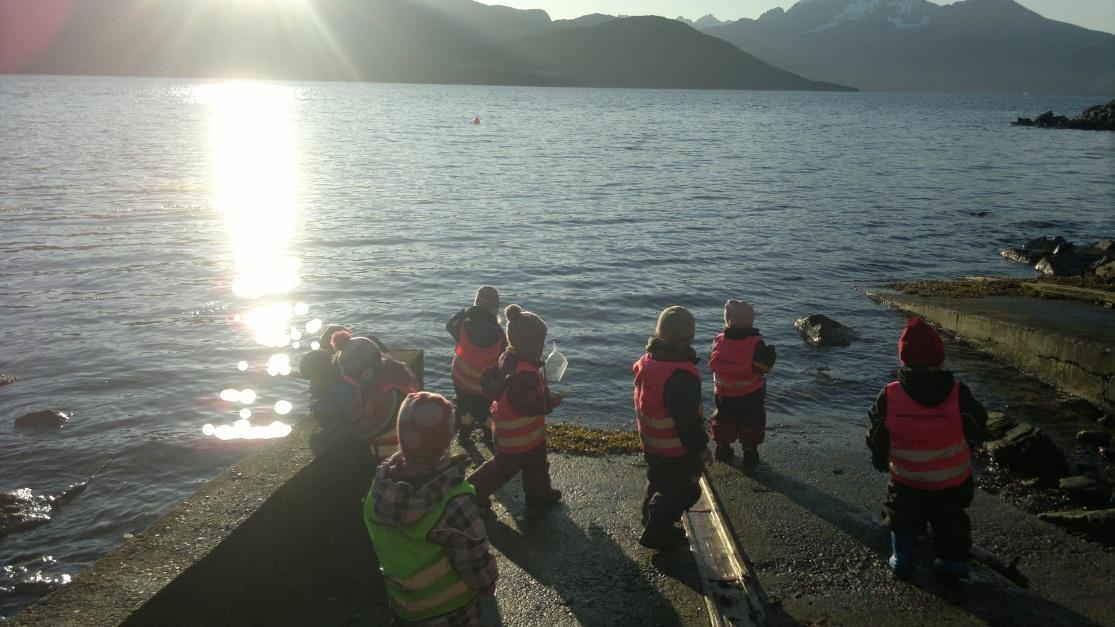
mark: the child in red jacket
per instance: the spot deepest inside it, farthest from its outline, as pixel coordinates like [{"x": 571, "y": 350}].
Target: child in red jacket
[
  {"x": 740, "y": 362},
  {"x": 920, "y": 429}
]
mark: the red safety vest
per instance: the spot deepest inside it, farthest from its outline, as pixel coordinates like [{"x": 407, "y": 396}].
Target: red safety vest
[
  {"x": 470, "y": 362},
  {"x": 513, "y": 432},
  {"x": 374, "y": 406},
  {"x": 657, "y": 430},
  {"x": 928, "y": 450},
  {"x": 733, "y": 372}
]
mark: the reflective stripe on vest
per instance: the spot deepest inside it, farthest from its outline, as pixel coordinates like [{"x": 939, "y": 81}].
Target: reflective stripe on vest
[
  {"x": 927, "y": 445},
  {"x": 470, "y": 361},
  {"x": 513, "y": 432},
  {"x": 738, "y": 356},
  {"x": 657, "y": 429},
  {"x": 419, "y": 577}
]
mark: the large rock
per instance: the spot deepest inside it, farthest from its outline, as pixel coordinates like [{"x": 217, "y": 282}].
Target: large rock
[
  {"x": 820, "y": 330},
  {"x": 1104, "y": 244},
  {"x": 999, "y": 424},
  {"x": 1097, "y": 118},
  {"x": 1099, "y": 523},
  {"x": 1021, "y": 255},
  {"x": 43, "y": 419},
  {"x": 1104, "y": 269},
  {"x": 1094, "y": 438},
  {"x": 1079, "y": 484},
  {"x": 1034, "y": 250},
  {"x": 21, "y": 509},
  {"x": 1027, "y": 450},
  {"x": 1070, "y": 262}
]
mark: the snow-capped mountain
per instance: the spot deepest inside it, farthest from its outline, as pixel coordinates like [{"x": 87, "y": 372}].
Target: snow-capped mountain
[
  {"x": 707, "y": 21},
  {"x": 917, "y": 45}
]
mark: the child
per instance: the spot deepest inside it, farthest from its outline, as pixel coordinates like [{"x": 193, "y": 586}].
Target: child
[
  {"x": 522, "y": 401},
  {"x": 740, "y": 362},
  {"x": 919, "y": 430},
  {"x": 671, "y": 427},
  {"x": 326, "y": 340},
  {"x": 331, "y": 399},
  {"x": 379, "y": 383},
  {"x": 424, "y": 524},
  {"x": 480, "y": 342}
]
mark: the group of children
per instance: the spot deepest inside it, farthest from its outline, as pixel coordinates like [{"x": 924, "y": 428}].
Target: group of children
[{"x": 424, "y": 514}]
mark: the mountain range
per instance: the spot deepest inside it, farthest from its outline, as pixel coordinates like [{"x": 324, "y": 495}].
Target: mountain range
[
  {"x": 432, "y": 41},
  {"x": 978, "y": 46}
]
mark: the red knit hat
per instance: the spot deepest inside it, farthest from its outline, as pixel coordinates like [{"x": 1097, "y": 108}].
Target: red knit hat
[
  {"x": 425, "y": 427},
  {"x": 920, "y": 345}
]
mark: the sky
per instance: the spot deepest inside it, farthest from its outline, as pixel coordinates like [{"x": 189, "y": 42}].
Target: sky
[{"x": 1094, "y": 14}]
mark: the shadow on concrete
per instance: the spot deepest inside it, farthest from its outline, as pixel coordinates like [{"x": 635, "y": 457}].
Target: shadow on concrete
[
  {"x": 985, "y": 596},
  {"x": 594, "y": 581},
  {"x": 678, "y": 565}
]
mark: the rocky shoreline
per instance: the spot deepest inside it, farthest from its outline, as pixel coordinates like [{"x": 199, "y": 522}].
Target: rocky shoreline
[{"x": 1098, "y": 118}]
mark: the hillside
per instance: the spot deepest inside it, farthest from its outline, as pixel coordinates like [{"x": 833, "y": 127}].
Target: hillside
[{"x": 436, "y": 41}]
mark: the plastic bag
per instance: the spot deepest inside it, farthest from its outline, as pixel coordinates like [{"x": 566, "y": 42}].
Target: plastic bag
[{"x": 556, "y": 363}]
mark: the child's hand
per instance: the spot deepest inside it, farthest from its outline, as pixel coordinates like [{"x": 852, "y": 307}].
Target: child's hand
[
  {"x": 559, "y": 397},
  {"x": 706, "y": 457},
  {"x": 490, "y": 591}
]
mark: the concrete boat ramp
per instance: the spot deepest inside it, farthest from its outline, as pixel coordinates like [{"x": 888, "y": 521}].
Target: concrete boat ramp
[
  {"x": 260, "y": 545},
  {"x": 277, "y": 539}
]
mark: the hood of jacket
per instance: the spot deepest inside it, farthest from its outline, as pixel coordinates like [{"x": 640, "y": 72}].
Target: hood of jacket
[
  {"x": 496, "y": 380},
  {"x": 663, "y": 350},
  {"x": 927, "y": 387},
  {"x": 403, "y": 493}
]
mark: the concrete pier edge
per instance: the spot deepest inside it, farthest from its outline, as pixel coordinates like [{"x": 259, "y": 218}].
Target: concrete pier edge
[{"x": 1066, "y": 344}]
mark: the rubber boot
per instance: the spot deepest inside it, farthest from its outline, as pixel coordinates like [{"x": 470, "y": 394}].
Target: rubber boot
[
  {"x": 750, "y": 456},
  {"x": 544, "y": 499},
  {"x": 724, "y": 453},
  {"x": 902, "y": 553}
]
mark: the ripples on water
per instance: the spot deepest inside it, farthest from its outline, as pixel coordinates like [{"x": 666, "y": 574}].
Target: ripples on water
[{"x": 121, "y": 247}]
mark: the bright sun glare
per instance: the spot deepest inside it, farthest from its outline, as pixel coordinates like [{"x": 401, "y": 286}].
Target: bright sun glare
[{"x": 256, "y": 190}]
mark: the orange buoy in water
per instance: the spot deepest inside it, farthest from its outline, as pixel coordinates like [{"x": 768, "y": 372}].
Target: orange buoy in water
[{"x": 476, "y": 120}]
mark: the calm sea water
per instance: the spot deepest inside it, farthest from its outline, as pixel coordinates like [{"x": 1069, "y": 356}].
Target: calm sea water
[{"x": 156, "y": 233}]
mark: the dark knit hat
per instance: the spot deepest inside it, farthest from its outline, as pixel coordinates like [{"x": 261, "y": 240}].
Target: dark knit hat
[
  {"x": 326, "y": 340},
  {"x": 526, "y": 332},
  {"x": 425, "y": 427},
  {"x": 739, "y": 313},
  {"x": 315, "y": 363},
  {"x": 488, "y": 298},
  {"x": 920, "y": 345},
  {"x": 357, "y": 354},
  {"x": 676, "y": 325}
]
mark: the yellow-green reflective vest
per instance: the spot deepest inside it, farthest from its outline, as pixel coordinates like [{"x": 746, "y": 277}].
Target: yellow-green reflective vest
[{"x": 420, "y": 580}]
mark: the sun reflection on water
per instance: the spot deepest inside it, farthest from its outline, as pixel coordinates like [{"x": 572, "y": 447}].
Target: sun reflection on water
[{"x": 255, "y": 188}]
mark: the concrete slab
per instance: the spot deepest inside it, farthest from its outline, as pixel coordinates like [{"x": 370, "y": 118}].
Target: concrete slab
[
  {"x": 1068, "y": 344},
  {"x": 580, "y": 562},
  {"x": 807, "y": 519}
]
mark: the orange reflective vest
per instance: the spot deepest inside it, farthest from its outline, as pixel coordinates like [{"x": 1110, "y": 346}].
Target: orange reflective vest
[
  {"x": 733, "y": 372},
  {"x": 470, "y": 361},
  {"x": 513, "y": 432},
  {"x": 658, "y": 432},
  {"x": 928, "y": 450},
  {"x": 375, "y": 409}
]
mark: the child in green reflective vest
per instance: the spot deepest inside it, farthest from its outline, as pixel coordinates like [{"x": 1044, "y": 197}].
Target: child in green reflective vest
[{"x": 425, "y": 525}]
